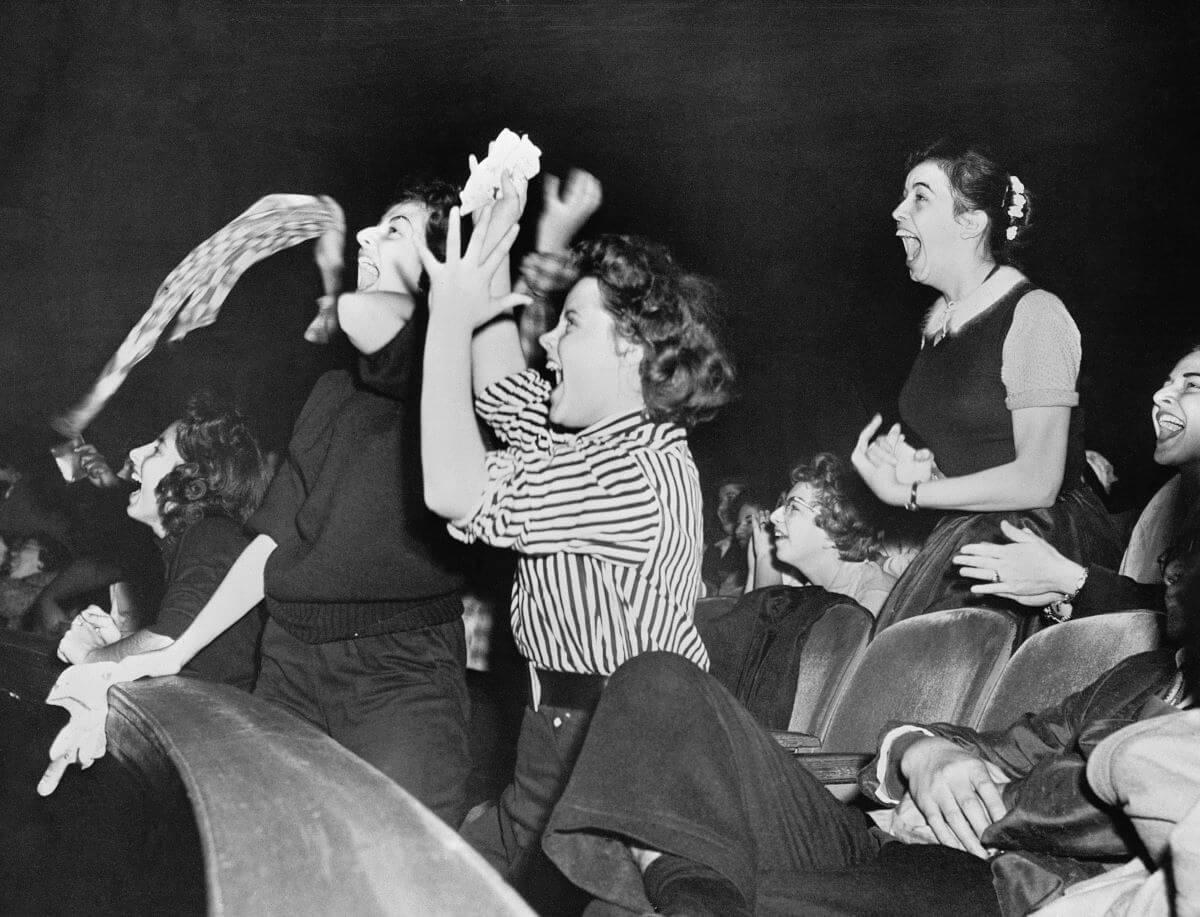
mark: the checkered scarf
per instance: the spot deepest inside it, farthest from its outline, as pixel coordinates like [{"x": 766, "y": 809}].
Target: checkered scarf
[{"x": 195, "y": 290}]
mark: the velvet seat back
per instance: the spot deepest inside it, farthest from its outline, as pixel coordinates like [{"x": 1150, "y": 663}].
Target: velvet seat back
[
  {"x": 937, "y": 667},
  {"x": 1062, "y": 659},
  {"x": 835, "y": 646}
]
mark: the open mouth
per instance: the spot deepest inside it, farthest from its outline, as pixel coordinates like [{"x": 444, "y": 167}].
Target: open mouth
[
  {"x": 912, "y": 246},
  {"x": 1167, "y": 426},
  {"x": 368, "y": 274},
  {"x": 555, "y": 371}
]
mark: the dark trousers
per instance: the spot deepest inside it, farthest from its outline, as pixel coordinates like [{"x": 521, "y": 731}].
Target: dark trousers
[
  {"x": 508, "y": 833},
  {"x": 399, "y": 701},
  {"x": 674, "y": 763}
]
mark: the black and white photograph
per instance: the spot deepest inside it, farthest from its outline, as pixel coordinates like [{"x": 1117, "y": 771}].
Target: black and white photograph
[{"x": 599, "y": 457}]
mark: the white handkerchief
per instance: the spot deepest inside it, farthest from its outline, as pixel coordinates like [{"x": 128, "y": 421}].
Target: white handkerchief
[{"x": 507, "y": 153}]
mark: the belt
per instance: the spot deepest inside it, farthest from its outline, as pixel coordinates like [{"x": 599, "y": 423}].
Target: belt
[{"x": 569, "y": 689}]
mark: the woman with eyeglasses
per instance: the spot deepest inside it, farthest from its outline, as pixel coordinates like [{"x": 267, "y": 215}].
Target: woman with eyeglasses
[{"x": 820, "y": 533}]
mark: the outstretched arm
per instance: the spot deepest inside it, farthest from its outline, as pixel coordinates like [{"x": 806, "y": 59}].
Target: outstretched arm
[
  {"x": 452, "y": 448},
  {"x": 240, "y": 590}
]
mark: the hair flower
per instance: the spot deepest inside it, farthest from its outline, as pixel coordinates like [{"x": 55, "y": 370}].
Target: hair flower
[{"x": 1010, "y": 233}]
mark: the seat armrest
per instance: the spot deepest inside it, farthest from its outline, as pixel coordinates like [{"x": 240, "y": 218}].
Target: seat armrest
[
  {"x": 833, "y": 767},
  {"x": 793, "y": 741}
]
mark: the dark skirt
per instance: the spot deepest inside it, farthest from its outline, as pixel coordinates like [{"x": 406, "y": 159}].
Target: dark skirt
[{"x": 1077, "y": 525}]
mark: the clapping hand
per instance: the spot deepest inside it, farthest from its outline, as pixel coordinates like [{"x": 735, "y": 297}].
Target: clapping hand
[
  {"x": 462, "y": 282},
  {"x": 912, "y": 465},
  {"x": 878, "y": 466},
  {"x": 92, "y": 629}
]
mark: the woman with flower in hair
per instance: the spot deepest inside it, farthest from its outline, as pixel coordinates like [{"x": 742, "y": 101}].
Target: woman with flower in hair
[
  {"x": 991, "y": 399},
  {"x": 199, "y": 482}
]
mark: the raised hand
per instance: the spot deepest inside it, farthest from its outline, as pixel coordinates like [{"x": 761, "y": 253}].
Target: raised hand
[
  {"x": 508, "y": 208},
  {"x": 565, "y": 208},
  {"x": 1029, "y": 571},
  {"x": 462, "y": 282},
  {"x": 957, "y": 792}
]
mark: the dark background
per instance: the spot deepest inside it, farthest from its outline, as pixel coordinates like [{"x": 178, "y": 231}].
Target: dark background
[{"x": 764, "y": 142}]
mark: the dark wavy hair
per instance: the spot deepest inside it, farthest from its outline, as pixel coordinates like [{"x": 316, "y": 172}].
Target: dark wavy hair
[
  {"x": 840, "y": 496},
  {"x": 224, "y": 471},
  {"x": 438, "y": 197},
  {"x": 979, "y": 182},
  {"x": 685, "y": 373}
]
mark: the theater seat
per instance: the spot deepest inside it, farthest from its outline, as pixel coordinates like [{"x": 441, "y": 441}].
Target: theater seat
[
  {"x": 1062, "y": 659},
  {"x": 834, "y": 648},
  {"x": 941, "y": 666}
]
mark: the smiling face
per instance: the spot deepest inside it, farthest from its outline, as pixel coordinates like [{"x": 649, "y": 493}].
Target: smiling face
[
  {"x": 151, "y": 463},
  {"x": 596, "y": 370},
  {"x": 797, "y": 535},
  {"x": 1176, "y": 414},
  {"x": 926, "y": 223},
  {"x": 387, "y": 255}
]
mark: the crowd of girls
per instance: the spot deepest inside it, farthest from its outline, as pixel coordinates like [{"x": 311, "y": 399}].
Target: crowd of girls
[{"x": 336, "y": 593}]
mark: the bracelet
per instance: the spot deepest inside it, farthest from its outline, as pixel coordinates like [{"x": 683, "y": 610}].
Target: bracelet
[
  {"x": 1079, "y": 587},
  {"x": 1062, "y": 610},
  {"x": 911, "y": 505}
]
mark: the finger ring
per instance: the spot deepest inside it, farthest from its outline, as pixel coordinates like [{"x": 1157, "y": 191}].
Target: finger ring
[{"x": 995, "y": 576}]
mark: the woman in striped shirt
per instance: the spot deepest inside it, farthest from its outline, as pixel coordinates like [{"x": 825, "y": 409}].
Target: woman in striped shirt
[{"x": 595, "y": 488}]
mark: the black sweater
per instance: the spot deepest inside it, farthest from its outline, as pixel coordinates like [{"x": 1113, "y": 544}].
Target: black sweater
[{"x": 358, "y": 553}]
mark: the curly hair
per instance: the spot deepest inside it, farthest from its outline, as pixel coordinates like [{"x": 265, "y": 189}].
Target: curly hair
[
  {"x": 979, "y": 182},
  {"x": 685, "y": 373},
  {"x": 840, "y": 496},
  {"x": 224, "y": 470}
]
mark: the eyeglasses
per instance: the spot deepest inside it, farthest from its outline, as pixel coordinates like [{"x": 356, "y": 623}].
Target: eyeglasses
[{"x": 794, "y": 504}]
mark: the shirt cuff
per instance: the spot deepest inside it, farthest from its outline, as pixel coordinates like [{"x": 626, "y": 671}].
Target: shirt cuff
[
  {"x": 469, "y": 528},
  {"x": 890, "y": 789},
  {"x": 1042, "y": 398}
]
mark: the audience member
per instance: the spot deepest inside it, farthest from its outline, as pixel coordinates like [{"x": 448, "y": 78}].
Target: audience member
[
  {"x": 596, "y": 490},
  {"x": 33, "y": 563},
  {"x": 681, "y": 803},
  {"x": 821, "y": 532},
  {"x": 198, "y": 483},
  {"x": 1032, "y": 572},
  {"x": 718, "y": 553},
  {"x": 112, "y": 554},
  {"x": 365, "y": 637},
  {"x": 992, "y": 392}
]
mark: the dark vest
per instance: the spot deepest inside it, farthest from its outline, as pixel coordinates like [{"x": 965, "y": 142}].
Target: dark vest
[{"x": 953, "y": 400}]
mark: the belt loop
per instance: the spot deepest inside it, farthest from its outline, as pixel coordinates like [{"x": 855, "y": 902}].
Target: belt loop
[{"x": 535, "y": 689}]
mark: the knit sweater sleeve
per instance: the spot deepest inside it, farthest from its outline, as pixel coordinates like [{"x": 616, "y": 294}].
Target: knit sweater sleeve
[{"x": 1042, "y": 354}]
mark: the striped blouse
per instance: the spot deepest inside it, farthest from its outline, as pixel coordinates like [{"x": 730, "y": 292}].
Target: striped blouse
[{"x": 607, "y": 525}]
